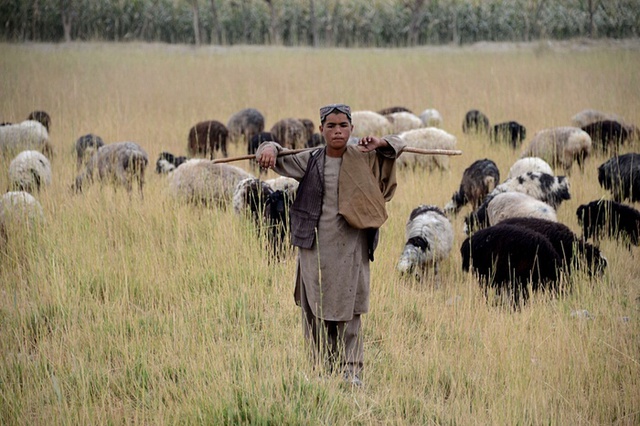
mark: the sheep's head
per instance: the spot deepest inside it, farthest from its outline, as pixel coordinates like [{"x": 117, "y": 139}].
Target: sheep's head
[{"x": 413, "y": 257}]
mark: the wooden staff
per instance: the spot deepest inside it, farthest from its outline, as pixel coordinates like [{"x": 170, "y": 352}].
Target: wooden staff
[{"x": 295, "y": 151}]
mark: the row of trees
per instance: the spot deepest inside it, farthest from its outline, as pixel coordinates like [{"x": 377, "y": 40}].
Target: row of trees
[{"x": 342, "y": 23}]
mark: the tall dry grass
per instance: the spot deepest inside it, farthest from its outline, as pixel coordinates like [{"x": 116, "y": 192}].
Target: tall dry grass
[{"x": 122, "y": 310}]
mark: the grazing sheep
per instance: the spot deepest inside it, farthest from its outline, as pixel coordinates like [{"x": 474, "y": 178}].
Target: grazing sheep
[
  {"x": 244, "y": 124},
  {"x": 529, "y": 164},
  {"x": 605, "y": 218},
  {"x": 475, "y": 121},
  {"x": 427, "y": 138},
  {"x": 518, "y": 204},
  {"x": 510, "y": 132},
  {"x": 118, "y": 163},
  {"x": 607, "y": 134},
  {"x": 367, "y": 123},
  {"x": 589, "y": 116},
  {"x": 549, "y": 189},
  {"x": 479, "y": 179},
  {"x": 29, "y": 171},
  {"x": 85, "y": 146},
  {"x": 290, "y": 133},
  {"x": 269, "y": 209},
  {"x": 285, "y": 184},
  {"x": 509, "y": 258},
  {"x": 206, "y": 137},
  {"x": 167, "y": 162},
  {"x": 429, "y": 239},
  {"x": 201, "y": 181},
  {"x": 620, "y": 175},
  {"x": 574, "y": 251},
  {"x": 393, "y": 109},
  {"x": 560, "y": 146},
  {"x": 27, "y": 135},
  {"x": 402, "y": 121},
  {"x": 431, "y": 118},
  {"x": 18, "y": 209}
]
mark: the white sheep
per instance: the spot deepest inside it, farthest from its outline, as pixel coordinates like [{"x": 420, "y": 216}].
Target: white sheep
[
  {"x": 429, "y": 239},
  {"x": 403, "y": 121},
  {"x": 427, "y": 138},
  {"x": 431, "y": 118},
  {"x": 529, "y": 164},
  {"x": 367, "y": 123},
  {"x": 18, "y": 209},
  {"x": 202, "y": 181},
  {"x": 560, "y": 146},
  {"x": 518, "y": 204},
  {"x": 27, "y": 135},
  {"x": 119, "y": 163},
  {"x": 29, "y": 171}
]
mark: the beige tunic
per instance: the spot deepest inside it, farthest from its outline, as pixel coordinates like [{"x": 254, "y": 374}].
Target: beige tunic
[{"x": 335, "y": 271}]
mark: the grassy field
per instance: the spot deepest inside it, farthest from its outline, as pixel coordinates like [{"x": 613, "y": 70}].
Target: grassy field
[{"x": 128, "y": 311}]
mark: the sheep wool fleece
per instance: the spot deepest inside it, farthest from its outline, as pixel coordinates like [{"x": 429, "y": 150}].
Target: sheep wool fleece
[{"x": 335, "y": 270}]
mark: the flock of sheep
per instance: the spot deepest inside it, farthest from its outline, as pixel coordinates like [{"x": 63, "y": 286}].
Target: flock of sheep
[
  {"x": 514, "y": 240},
  {"x": 514, "y": 237}
]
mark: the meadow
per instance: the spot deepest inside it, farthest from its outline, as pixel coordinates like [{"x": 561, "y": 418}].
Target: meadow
[{"x": 122, "y": 310}]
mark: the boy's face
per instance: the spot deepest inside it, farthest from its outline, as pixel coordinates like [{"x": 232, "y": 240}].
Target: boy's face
[{"x": 336, "y": 130}]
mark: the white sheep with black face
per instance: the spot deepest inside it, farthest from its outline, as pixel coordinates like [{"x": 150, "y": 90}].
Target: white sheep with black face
[
  {"x": 269, "y": 208},
  {"x": 29, "y": 171},
  {"x": 429, "y": 239},
  {"x": 118, "y": 163}
]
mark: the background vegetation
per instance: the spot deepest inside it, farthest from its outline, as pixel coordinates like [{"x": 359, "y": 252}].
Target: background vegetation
[
  {"x": 128, "y": 311},
  {"x": 330, "y": 23}
]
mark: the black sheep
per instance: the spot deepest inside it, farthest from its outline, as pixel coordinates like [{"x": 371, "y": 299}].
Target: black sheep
[
  {"x": 574, "y": 251},
  {"x": 475, "y": 122},
  {"x": 611, "y": 219},
  {"x": 607, "y": 134},
  {"x": 479, "y": 179},
  {"x": 511, "y": 131},
  {"x": 508, "y": 257},
  {"x": 621, "y": 176},
  {"x": 206, "y": 137}
]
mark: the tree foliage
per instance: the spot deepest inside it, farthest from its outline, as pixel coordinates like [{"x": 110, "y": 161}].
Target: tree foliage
[{"x": 341, "y": 23}]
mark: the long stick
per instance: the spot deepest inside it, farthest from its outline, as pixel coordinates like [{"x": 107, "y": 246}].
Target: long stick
[{"x": 295, "y": 151}]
